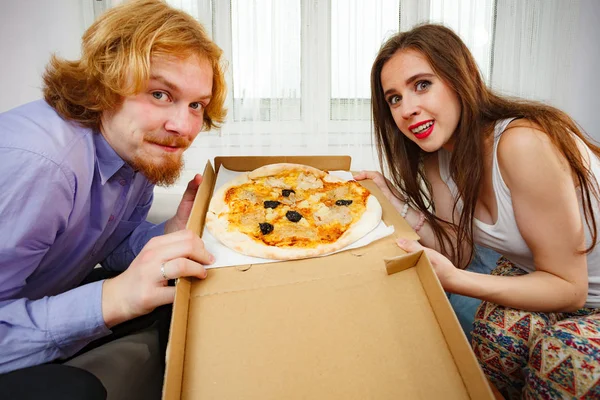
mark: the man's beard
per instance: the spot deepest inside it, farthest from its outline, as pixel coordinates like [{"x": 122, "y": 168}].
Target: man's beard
[
  {"x": 164, "y": 174},
  {"x": 167, "y": 171}
]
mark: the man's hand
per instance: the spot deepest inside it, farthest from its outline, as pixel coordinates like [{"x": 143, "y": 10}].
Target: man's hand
[
  {"x": 446, "y": 272},
  {"x": 142, "y": 287},
  {"x": 179, "y": 220}
]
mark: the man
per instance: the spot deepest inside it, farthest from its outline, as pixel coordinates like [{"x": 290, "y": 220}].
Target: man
[{"x": 77, "y": 176}]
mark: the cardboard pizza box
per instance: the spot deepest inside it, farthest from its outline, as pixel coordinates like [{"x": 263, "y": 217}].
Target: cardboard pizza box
[{"x": 367, "y": 323}]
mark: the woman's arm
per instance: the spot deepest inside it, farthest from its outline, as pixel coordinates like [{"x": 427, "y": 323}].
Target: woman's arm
[{"x": 547, "y": 213}]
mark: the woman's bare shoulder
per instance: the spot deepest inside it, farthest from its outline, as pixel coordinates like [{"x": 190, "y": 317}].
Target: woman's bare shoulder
[
  {"x": 524, "y": 147},
  {"x": 520, "y": 138}
]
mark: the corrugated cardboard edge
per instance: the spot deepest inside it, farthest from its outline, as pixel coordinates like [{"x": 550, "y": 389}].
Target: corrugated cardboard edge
[
  {"x": 472, "y": 375},
  {"x": 176, "y": 345},
  {"x": 177, "y": 333}
]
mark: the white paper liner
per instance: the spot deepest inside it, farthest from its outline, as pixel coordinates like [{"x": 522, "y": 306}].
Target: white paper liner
[{"x": 225, "y": 257}]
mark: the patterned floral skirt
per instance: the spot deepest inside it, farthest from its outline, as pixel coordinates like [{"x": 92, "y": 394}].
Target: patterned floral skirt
[{"x": 532, "y": 355}]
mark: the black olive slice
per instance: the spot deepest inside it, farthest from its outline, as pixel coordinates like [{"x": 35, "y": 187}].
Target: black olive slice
[
  {"x": 287, "y": 192},
  {"x": 271, "y": 204},
  {"x": 343, "y": 202},
  {"x": 265, "y": 228},
  {"x": 293, "y": 216}
]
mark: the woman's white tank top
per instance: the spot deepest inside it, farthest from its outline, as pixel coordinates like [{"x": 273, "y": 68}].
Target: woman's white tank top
[{"x": 504, "y": 236}]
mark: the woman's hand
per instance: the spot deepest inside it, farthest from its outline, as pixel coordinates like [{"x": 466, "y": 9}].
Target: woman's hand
[
  {"x": 382, "y": 183},
  {"x": 444, "y": 269}
]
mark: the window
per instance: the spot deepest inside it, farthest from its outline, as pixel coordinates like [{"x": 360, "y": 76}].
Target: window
[
  {"x": 266, "y": 60},
  {"x": 358, "y": 29},
  {"x": 302, "y": 60}
]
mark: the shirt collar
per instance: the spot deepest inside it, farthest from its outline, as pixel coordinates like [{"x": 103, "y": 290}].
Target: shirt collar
[{"x": 107, "y": 159}]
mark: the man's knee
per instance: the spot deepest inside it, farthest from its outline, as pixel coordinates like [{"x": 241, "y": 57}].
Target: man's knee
[{"x": 51, "y": 381}]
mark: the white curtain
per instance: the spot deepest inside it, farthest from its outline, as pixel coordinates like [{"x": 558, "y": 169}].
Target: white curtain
[{"x": 533, "y": 48}]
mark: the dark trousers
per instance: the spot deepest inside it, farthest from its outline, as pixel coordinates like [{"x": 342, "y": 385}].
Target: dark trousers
[
  {"x": 64, "y": 382},
  {"x": 51, "y": 381}
]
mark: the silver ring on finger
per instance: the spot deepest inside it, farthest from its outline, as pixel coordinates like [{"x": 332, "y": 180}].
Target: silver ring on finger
[{"x": 162, "y": 272}]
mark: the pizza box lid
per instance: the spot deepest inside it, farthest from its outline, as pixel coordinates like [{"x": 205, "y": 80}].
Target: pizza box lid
[{"x": 371, "y": 322}]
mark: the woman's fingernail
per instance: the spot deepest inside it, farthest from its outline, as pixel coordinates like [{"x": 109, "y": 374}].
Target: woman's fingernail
[{"x": 401, "y": 241}]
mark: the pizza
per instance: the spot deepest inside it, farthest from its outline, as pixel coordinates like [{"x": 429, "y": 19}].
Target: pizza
[{"x": 291, "y": 211}]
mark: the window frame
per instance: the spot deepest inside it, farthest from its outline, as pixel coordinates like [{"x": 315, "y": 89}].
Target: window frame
[{"x": 316, "y": 101}]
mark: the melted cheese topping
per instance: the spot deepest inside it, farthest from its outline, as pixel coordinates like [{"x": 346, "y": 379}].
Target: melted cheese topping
[{"x": 314, "y": 199}]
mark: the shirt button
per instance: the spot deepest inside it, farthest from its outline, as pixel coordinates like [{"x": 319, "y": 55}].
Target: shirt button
[
  {"x": 111, "y": 218},
  {"x": 122, "y": 182}
]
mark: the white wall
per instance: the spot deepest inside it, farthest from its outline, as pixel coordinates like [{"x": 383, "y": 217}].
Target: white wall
[
  {"x": 30, "y": 30},
  {"x": 583, "y": 97}
]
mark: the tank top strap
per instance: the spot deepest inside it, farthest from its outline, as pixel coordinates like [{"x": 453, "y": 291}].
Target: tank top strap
[{"x": 499, "y": 184}]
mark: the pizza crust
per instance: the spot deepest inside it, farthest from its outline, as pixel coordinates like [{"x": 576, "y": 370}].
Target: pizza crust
[
  {"x": 274, "y": 169},
  {"x": 217, "y": 203},
  {"x": 240, "y": 242}
]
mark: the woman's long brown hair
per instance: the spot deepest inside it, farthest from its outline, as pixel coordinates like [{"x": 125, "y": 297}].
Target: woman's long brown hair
[{"x": 452, "y": 61}]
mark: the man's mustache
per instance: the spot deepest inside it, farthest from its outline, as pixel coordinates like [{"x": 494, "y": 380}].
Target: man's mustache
[{"x": 170, "y": 141}]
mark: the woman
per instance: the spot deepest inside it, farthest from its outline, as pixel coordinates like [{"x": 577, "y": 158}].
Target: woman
[{"x": 468, "y": 166}]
